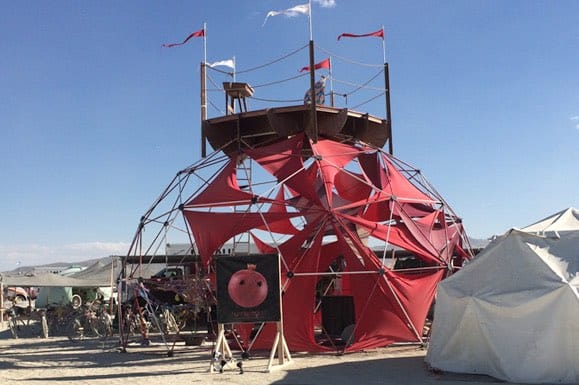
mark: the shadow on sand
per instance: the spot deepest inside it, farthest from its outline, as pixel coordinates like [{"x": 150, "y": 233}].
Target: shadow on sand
[{"x": 384, "y": 371}]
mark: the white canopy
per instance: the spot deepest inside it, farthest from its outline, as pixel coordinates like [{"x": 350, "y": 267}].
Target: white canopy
[
  {"x": 47, "y": 280},
  {"x": 513, "y": 312}
]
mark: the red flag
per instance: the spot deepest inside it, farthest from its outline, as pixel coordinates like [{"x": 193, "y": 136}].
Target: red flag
[
  {"x": 322, "y": 64},
  {"x": 199, "y": 33},
  {"x": 379, "y": 33}
]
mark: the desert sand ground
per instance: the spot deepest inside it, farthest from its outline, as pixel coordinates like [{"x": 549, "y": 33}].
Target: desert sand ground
[{"x": 31, "y": 360}]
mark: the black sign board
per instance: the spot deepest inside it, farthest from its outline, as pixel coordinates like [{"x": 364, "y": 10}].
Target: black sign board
[{"x": 248, "y": 288}]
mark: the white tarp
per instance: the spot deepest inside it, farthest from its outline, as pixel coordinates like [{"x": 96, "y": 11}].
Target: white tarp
[
  {"x": 513, "y": 312},
  {"x": 46, "y": 280}
]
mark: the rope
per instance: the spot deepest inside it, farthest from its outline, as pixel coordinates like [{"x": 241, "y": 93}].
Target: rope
[
  {"x": 217, "y": 108},
  {"x": 276, "y": 100},
  {"x": 348, "y": 60},
  {"x": 218, "y": 70},
  {"x": 365, "y": 84},
  {"x": 214, "y": 84},
  {"x": 281, "y": 81},
  {"x": 358, "y": 85},
  {"x": 368, "y": 101},
  {"x": 272, "y": 62}
]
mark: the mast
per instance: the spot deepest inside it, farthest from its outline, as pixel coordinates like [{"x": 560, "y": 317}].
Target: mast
[
  {"x": 203, "y": 110},
  {"x": 204, "y": 93},
  {"x": 388, "y": 116},
  {"x": 331, "y": 84},
  {"x": 387, "y": 95},
  {"x": 313, "y": 118}
]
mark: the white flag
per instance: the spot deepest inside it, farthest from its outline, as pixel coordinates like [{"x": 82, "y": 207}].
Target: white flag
[
  {"x": 302, "y": 9},
  {"x": 228, "y": 63}
]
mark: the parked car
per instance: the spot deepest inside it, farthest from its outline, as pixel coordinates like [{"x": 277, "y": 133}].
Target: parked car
[{"x": 19, "y": 295}]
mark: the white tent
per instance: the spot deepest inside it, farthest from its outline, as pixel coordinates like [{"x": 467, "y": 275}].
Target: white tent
[{"x": 513, "y": 312}]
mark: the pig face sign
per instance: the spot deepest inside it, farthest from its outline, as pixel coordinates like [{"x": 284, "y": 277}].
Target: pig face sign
[{"x": 247, "y": 287}]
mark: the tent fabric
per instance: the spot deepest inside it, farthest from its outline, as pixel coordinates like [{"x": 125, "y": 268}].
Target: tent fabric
[
  {"x": 561, "y": 221},
  {"x": 48, "y": 280},
  {"x": 512, "y": 312}
]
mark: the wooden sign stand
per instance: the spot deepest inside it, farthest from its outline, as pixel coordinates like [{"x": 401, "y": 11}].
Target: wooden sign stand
[
  {"x": 222, "y": 351},
  {"x": 279, "y": 345},
  {"x": 222, "y": 354}
]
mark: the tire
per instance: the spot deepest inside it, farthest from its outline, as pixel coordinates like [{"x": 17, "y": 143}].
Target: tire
[{"x": 76, "y": 301}]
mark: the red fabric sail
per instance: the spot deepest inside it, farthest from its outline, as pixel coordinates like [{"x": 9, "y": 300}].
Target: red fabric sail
[
  {"x": 284, "y": 161},
  {"x": 352, "y": 186},
  {"x": 213, "y": 229},
  {"x": 332, "y": 157},
  {"x": 382, "y": 320},
  {"x": 390, "y": 179},
  {"x": 279, "y": 205},
  {"x": 222, "y": 191},
  {"x": 398, "y": 235}
]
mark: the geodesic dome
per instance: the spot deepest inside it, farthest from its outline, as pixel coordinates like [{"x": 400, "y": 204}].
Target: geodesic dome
[{"x": 333, "y": 211}]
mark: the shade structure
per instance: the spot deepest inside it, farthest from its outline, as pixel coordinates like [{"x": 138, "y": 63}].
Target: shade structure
[
  {"x": 333, "y": 210},
  {"x": 512, "y": 312}
]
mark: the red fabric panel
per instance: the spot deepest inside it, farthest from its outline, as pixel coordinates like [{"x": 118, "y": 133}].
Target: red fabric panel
[
  {"x": 298, "y": 303},
  {"x": 379, "y": 319},
  {"x": 284, "y": 161},
  {"x": 441, "y": 237},
  {"x": 264, "y": 340},
  {"x": 400, "y": 186},
  {"x": 292, "y": 250},
  {"x": 341, "y": 248},
  {"x": 333, "y": 157},
  {"x": 419, "y": 233},
  {"x": 213, "y": 229},
  {"x": 263, "y": 247},
  {"x": 370, "y": 163},
  {"x": 378, "y": 209},
  {"x": 222, "y": 191},
  {"x": 395, "y": 235},
  {"x": 279, "y": 206},
  {"x": 351, "y": 186},
  {"x": 391, "y": 180},
  {"x": 383, "y": 322},
  {"x": 280, "y": 159}
]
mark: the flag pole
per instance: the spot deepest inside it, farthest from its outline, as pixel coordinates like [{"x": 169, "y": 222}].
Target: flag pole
[
  {"x": 234, "y": 67},
  {"x": 383, "y": 45},
  {"x": 313, "y": 119},
  {"x": 387, "y": 95},
  {"x": 331, "y": 84},
  {"x": 310, "y": 20},
  {"x": 204, "y": 92}
]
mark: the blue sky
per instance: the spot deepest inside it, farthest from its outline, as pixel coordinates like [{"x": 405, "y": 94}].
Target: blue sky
[{"x": 96, "y": 117}]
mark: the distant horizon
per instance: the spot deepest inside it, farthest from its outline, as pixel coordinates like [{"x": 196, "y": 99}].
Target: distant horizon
[{"x": 475, "y": 242}]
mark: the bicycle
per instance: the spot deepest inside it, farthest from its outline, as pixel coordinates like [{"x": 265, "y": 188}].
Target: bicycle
[
  {"x": 13, "y": 321},
  {"x": 92, "y": 321}
]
